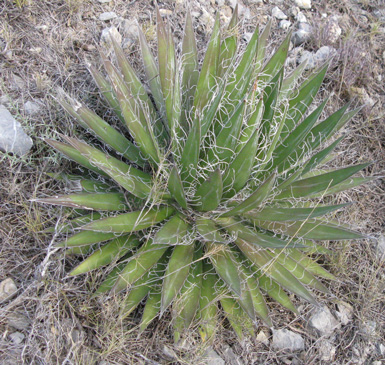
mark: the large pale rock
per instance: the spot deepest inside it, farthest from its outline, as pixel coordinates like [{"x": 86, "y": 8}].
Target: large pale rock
[
  {"x": 8, "y": 289},
  {"x": 287, "y": 340},
  {"x": 12, "y": 137},
  {"x": 323, "y": 322}
]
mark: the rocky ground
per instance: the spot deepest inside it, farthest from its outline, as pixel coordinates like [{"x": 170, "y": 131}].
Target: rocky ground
[{"x": 46, "y": 317}]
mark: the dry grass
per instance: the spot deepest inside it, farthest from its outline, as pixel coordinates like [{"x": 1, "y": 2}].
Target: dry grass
[{"x": 44, "y": 45}]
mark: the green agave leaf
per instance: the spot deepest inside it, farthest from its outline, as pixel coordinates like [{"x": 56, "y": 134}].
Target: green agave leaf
[
  {"x": 138, "y": 91},
  {"x": 187, "y": 304},
  {"x": 270, "y": 117},
  {"x": 140, "y": 131},
  {"x": 345, "y": 119},
  {"x": 224, "y": 264},
  {"x": 236, "y": 316},
  {"x": 226, "y": 140},
  {"x": 290, "y": 81},
  {"x": 94, "y": 201},
  {"x": 168, "y": 75},
  {"x": 207, "y": 81},
  {"x": 239, "y": 79},
  {"x": 245, "y": 300},
  {"x": 79, "y": 183},
  {"x": 174, "y": 232},
  {"x": 110, "y": 280},
  {"x": 190, "y": 66},
  {"x": 133, "y": 180},
  {"x": 139, "y": 264},
  {"x": 311, "y": 163},
  {"x": 261, "y": 51},
  {"x": 302, "y": 99},
  {"x": 239, "y": 169},
  {"x": 208, "y": 231},
  {"x": 252, "y": 123},
  {"x": 131, "y": 222},
  {"x": 239, "y": 230},
  {"x": 259, "y": 304},
  {"x": 311, "y": 185},
  {"x": 309, "y": 264},
  {"x": 106, "y": 89},
  {"x": 135, "y": 119},
  {"x": 254, "y": 200},
  {"x": 209, "y": 193},
  {"x": 207, "y": 303},
  {"x": 151, "y": 309},
  {"x": 275, "y": 292},
  {"x": 190, "y": 154},
  {"x": 141, "y": 289},
  {"x": 318, "y": 134},
  {"x": 85, "y": 238},
  {"x": 105, "y": 132},
  {"x": 175, "y": 187},
  {"x": 276, "y": 214},
  {"x": 78, "y": 250},
  {"x": 74, "y": 155},
  {"x": 316, "y": 159},
  {"x": 296, "y": 137},
  {"x": 298, "y": 271},
  {"x": 345, "y": 185},
  {"x": 229, "y": 45},
  {"x": 74, "y": 223},
  {"x": 311, "y": 229},
  {"x": 207, "y": 118},
  {"x": 113, "y": 250},
  {"x": 152, "y": 74},
  {"x": 273, "y": 269},
  {"x": 276, "y": 61},
  {"x": 176, "y": 273}
]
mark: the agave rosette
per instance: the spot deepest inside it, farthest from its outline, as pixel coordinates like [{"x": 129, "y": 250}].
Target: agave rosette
[{"x": 213, "y": 199}]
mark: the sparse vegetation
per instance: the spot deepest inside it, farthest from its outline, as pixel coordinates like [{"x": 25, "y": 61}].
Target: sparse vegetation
[{"x": 63, "y": 324}]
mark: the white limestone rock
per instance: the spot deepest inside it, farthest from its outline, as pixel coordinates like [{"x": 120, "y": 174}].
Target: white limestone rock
[
  {"x": 12, "y": 136},
  {"x": 278, "y": 13},
  {"x": 287, "y": 340}
]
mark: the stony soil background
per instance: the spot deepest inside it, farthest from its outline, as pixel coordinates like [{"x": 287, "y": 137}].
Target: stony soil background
[{"x": 46, "y": 318}]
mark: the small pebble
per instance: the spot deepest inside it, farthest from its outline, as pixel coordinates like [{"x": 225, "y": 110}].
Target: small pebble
[
  {"x": 284, "y": 24},
  {"x": 301, "y": 17},
  {"x": 31, "y": 108},
  {"x": 17, "y": 337},
  {"x": 109, "y": 15},
  {"x": 303, "y": 4},
  {"x": 165, "y": 12}
]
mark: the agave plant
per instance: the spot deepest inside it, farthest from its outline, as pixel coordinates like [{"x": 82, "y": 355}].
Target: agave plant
[{"x": 216, "y": 195}]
